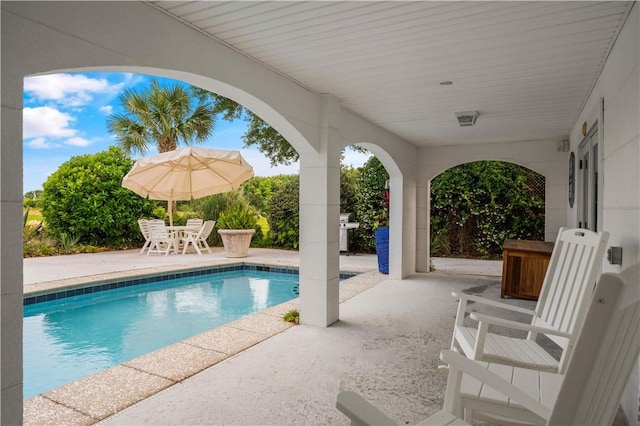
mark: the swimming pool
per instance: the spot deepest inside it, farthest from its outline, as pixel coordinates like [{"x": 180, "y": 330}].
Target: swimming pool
[{"x": 74, "y": 333}]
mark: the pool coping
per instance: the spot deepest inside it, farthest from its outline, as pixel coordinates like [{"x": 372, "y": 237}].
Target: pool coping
[{"x": 103, "y": 394}]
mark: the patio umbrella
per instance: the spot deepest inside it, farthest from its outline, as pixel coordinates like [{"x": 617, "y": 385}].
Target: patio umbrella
[{"x": 187, "y": 173}]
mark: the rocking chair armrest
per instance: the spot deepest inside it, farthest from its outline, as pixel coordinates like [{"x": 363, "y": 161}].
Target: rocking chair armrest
[
  {"x": 516, "y": 325},
  {"x": 459, "y": 363},
  {"x": 360, "y": 411},
  {"x": 477, "y": 299}
]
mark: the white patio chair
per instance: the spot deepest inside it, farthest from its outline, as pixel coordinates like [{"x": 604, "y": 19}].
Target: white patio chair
[
  {"x": 161, "y": 241},
  {"x": 144, "y": 229},
  {"x": 198, "y": 239},
  {"x": 589, "y": 393},
  {"x": 194, "y": 223},
  {"x": 564, "y": 297}
]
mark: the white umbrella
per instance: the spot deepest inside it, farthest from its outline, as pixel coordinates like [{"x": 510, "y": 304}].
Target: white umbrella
[{"x": 187, "y": 173}]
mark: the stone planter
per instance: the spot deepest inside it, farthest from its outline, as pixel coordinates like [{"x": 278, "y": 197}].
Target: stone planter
[{"x": 236, "y": 241}]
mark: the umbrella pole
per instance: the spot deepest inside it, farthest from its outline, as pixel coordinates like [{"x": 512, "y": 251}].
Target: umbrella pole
[{"x": 170, "y": 212}]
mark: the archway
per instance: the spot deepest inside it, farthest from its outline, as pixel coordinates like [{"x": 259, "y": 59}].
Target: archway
[
  {"x": 475, "y": 206},
  {"x": 397, "y": 212}
]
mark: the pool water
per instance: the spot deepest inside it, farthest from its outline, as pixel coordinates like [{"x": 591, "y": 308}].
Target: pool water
[{"x": 73, "y": 337}]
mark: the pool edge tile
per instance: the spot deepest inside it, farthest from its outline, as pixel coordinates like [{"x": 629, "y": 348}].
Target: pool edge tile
[
  {"x": 225, "y": 339},
  {"x": 177, "y": 362},
  {"x": 43, "y": 411},
  {"x": 119, "y": 387},
  {"x": 267, "y": 325}
]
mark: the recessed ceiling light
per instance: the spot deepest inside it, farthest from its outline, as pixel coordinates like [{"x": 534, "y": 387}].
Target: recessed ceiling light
[{"x": 446, "y": 83}]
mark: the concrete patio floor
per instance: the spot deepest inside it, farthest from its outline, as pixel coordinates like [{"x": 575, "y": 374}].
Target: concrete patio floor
[{"x": 385, "y": 346}]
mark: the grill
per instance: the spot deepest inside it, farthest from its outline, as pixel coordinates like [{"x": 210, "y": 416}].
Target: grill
[{"x": 345, "y": 226}]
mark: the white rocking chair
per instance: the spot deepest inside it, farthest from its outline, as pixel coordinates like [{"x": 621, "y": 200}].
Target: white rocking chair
[
  {"x": 565, "y": 295},
  {"x": 589, "y": 393}
]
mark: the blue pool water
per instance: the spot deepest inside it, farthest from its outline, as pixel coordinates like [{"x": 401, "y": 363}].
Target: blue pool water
[{"x": 73, "y": 337}]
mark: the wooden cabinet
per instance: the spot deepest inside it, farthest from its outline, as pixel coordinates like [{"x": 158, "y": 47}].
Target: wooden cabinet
[{"x": 524, "y": 266}]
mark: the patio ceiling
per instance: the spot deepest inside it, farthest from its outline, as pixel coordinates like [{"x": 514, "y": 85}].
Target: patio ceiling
[{"x": 526, "y": 67}]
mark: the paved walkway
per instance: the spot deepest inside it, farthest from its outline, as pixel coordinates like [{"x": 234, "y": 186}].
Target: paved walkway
[
  {"x": 263, "y": 371},
  {"x": 122, "y": 263}
]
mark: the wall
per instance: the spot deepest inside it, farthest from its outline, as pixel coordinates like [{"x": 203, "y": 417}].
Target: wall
[{"x": 619, "y": 86}]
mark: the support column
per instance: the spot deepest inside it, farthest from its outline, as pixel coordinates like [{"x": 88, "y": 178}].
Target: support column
[
  {"x": 11, "y": 249},
  {"x": 402, "y": 232},
  {"x": 319, "y": 218},
  {"x": 423, "y": 234}
]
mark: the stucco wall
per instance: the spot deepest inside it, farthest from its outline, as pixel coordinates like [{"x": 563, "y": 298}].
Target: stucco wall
[
  {"x": 619, "y": 86},
  {"x": 541, "y": 156}
]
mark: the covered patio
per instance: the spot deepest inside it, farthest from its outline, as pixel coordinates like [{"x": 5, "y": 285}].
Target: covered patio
[
  {"x": 545, "y": 81},
  {"x": 385, "y": 346}
]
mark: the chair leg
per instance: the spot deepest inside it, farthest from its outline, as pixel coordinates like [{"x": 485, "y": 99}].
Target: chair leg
[
  {"x": 146, "y": 245},
  {"x": 171, "y": 245},
  {"x": 195, "y": 245}
]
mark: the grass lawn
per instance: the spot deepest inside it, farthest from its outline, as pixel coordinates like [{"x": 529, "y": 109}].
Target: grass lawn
[{"x": 34, "y": 214}]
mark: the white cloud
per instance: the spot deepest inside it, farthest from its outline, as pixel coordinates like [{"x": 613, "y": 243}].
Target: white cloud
[
  {"x": 46, "y": 121},
  {"x": 77, "y": 141},
  {"x": 354, "y": 159},
  {"x": 69, "y": 89},
  {"x": 40, "y": 143},
  {"x": 262, "y": 166},
  {"x": 106, "y": 110}
]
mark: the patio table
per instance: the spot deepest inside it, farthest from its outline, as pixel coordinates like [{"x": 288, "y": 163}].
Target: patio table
[{"x": 177, "y": 233}]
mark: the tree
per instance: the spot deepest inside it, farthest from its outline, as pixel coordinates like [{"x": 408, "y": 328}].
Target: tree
[
  {"x": 259, "y": 133},
  {"x": 161, "y": 116},
  {"x": 370, "y": 190},
  {"x": 284, "y": 218},
  {"x": 84, "y": 198},
  {"x": 259, "y": 189}
]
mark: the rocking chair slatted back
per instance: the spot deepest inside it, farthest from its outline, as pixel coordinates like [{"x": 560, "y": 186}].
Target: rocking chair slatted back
[
  {"x": 567, "y": 288},
  {"x": 604, "y": 355}
]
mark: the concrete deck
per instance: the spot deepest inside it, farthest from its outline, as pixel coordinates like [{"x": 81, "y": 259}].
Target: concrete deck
[{"x": 260, "y": 370}]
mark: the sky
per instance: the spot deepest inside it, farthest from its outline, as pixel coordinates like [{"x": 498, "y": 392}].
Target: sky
[{"x": 65, "y": 115}]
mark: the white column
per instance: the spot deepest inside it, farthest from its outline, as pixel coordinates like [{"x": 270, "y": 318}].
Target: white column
[
  {"x": 423, "y": 227},
  {"x": 319, "y": 218},
  {"x": 11, "y": 249},
  {"x": 402, "y": 230}
]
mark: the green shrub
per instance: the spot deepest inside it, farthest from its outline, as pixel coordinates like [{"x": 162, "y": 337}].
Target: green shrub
[
  {"x": 293, "y": 316},
  {"x": 210, "y": 208},
  {"x": 284, "y": 217},
  {"x": 85, "y": 197},
  {"x": 370, "y": 190},
  {"x": 68, "y": 242},
  {"x": 476, "y": 206},
  {"x": 33, "y": 203},
  {"x": 238, "y": 217}
]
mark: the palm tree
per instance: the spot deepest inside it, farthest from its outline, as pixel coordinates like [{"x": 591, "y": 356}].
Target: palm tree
[{"x": 160, "y": 116}]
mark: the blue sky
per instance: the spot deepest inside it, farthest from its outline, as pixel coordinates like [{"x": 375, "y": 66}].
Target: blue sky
[{"x": 65, "y": 115}]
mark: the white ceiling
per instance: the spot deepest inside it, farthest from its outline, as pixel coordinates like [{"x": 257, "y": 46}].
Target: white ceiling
[{"x": 526, "y": 67}]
